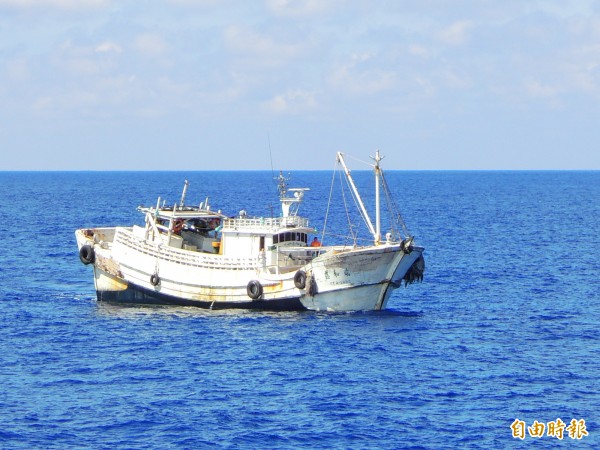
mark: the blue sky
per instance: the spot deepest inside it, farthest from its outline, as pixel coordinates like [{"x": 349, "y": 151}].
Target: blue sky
[{"x": 207, "y": 84}]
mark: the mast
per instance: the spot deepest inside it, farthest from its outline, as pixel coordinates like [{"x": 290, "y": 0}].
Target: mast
[
  {"x": 377, "y": 201},
  {"x": 289, "y": 205}
]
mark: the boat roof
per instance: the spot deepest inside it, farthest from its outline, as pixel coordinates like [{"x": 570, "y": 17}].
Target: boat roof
[
  {"x": 185, "y": 212},
  {"x": 269, "y": 225},
  {"x": 244, "y": 224}
]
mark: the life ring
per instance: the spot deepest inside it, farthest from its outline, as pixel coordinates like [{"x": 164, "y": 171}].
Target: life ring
[
  {"x": 87, "y": 254},
  {"x": 254, "y": 290},
  {"x": 178, "y": 226},
  {"x": 300, "y": 279},
  {"x": 155, "y": 279}
]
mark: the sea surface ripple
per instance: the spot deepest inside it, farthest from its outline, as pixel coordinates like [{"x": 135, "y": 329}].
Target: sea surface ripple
[{"x": 504, "y": 326}]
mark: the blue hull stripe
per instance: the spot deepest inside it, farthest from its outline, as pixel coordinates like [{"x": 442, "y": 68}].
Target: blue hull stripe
[{"x": 137, "y": 295}]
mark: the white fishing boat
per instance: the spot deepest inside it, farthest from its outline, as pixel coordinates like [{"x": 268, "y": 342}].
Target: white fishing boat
[{"x": 196, "y": 256}]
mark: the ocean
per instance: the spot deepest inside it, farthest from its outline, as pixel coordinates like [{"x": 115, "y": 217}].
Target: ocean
[{"x": 499, "y": 341}]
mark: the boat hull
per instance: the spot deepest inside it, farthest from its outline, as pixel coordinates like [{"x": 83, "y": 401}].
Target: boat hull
[
  {"x": 360, "y": 298},
  {"x": 340, "y": 279},
  {"x": 357, "y": 298},
  {"x": 133, "y": 294}
]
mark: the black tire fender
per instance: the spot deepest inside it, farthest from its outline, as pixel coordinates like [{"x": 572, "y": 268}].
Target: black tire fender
[
  {"x": 87, "y": 254},
  {"x": 254, "y": 290},
  {"x": 300, "y": 279},
  {"x": 154, "y": 280}
]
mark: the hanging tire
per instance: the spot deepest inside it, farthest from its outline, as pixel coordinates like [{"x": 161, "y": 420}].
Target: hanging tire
[
  {"x": 254, "y": 290},
  {"x": 155, "y": 280},
  {"x": 300, "y": 279},
  {"x": 87, "y": 254}
]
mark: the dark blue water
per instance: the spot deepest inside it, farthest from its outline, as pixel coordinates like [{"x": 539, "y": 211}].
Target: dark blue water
[{"x": 504, "y": 326}]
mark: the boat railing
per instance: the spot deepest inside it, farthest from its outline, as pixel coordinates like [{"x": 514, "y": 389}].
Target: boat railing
[
  {"x": 264, "y": 223},
  {"x": 182, "y": 256}
]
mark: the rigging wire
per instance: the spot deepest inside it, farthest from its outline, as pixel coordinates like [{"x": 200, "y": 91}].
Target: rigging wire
[
  {"x": 275, "y": 183},
  {"x": 356, "y": 203},
  {"x": 271, "y": 156},
  {"x": 395, "y": 211},
  {"x": 346, "y": 237},
  {"x": 358, "y": 159},
  {"x": 350, "y": 226},
  {"x": 328, "y": 204},
  {"x": 393, "y": 223},
  {"x": 353, "y": 235}
]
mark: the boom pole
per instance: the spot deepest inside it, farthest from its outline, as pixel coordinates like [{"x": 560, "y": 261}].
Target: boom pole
[{"x": 361, "y": 205}]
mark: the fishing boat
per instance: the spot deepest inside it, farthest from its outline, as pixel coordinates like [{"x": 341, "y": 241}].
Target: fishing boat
[{"x": 198, "y": 256}]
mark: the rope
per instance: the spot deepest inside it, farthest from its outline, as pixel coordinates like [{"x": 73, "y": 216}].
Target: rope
[
  {"x": 395, "y": 218},
  {"x": 347, "y": 212},
  {"x": 366, "y": 163},
  {"x": 328, "y": 204},
  {"x": 356, "y": 203},
  {"x": 394, "y": 210}
]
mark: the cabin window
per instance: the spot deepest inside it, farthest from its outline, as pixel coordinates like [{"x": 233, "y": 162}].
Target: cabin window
[
  {"x": 290, "y": 236},
  {"x": 261, "y": 245}
]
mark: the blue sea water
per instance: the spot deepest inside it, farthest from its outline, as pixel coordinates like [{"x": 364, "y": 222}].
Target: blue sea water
[{"x": 505, "y": 325}]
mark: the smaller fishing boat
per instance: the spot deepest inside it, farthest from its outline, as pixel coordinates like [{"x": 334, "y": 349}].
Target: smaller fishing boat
[{"x": 198, "y": 256}]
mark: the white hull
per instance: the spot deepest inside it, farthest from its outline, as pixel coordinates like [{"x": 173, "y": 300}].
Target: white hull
[{"x": 342, "y": 279}]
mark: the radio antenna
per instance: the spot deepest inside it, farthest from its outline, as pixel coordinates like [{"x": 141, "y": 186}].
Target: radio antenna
[{"x": 271, "y": 155}]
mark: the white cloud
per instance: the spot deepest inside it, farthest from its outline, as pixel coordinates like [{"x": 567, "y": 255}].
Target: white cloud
[
  {"x": 83, "y": 66},
  {"x": 58, "y": 4},
  {"x": 233, "y": 60},
  {"x": 294, "y": 101},
  {"x": 77, "y": 60},
  {"x": 564, "y": 9},
  {"x": 108, "y": 47},
  {"x": 150, "y": 44},
  {"x": 297, "y": 8},
  {"x": 18, "y": 70},
  {"x": 362, "y": 75},
  {"x": 426, "y": 86},
  {"x": 196, "y": 3},
  {"x": 455, "y": 79},
  {"x": 418, "y": 50},
  {"x": 456, "y": 34},
  {"x": 245, "y": 41},
  {"x": 535, "y": 88},
  {"x": 42, "y": 104}
]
